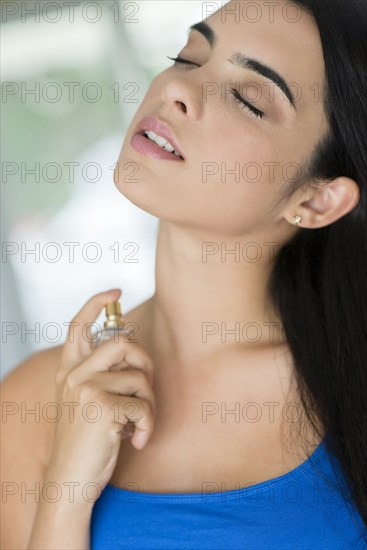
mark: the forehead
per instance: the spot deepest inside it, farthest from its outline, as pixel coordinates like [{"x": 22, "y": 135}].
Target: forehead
[{"x": 278, "y": 34}]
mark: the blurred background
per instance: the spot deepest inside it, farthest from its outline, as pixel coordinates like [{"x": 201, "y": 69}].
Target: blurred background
[{"x": 72, "y": 76}]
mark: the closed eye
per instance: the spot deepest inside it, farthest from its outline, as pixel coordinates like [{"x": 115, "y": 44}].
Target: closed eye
[
  {"x": 237, "y": 97},
  {"x": 177, "y": 60},
  {"x": 245, "y": 104}
]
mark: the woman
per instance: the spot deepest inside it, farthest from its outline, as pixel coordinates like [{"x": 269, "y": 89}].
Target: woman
[{"x": 248, "y": 372}]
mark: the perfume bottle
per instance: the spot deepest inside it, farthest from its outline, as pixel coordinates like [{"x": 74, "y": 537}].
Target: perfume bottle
[{"x": 114, "y": 324}]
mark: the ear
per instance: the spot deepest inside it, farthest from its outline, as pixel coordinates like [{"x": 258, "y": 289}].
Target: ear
[{"x": 326, "y": 203}]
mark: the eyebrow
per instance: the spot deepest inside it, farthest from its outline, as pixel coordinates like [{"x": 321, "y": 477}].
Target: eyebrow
[{"x": 240, "y": 60}]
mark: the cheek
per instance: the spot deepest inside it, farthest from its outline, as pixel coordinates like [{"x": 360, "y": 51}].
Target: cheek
[
  {"x": 242, "y": 164},
  {"x": 237, "y": 183}
]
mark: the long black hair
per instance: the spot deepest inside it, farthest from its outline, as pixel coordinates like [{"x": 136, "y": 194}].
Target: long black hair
[{"x": 319, "y": 279}]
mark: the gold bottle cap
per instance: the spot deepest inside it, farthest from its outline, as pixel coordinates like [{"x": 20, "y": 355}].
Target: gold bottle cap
[{"x": 114, "y": 316}]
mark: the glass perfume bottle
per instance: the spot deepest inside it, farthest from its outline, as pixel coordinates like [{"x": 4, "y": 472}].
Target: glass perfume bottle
[{"x": 114, "y": 323}]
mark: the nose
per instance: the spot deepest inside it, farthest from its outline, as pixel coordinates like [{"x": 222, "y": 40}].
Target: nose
[{"x": 182, "y": 96}]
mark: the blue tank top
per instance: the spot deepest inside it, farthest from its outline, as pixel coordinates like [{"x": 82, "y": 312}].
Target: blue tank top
[{"x": 302, "y": 509}]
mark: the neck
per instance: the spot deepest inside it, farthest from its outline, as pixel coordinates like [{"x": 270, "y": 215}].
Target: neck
[{"x": 208, "y": 302}]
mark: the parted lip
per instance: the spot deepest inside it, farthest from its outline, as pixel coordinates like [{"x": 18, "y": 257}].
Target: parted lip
[{"x": 155, "y": 125}]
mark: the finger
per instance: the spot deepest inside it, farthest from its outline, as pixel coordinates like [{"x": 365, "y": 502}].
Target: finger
[
  {"x": 131, "y": 381},
  {"x": 142, "y": 416},
  {"x": 117, "y": 354},
  {"x": 78, "y": 344}
]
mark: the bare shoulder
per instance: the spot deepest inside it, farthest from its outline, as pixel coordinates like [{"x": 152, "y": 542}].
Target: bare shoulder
[
  {"x": 25, "y": 391},
  {"x": 34, "y": 377},
  {"x": 28, "y": 396},
  {"x": 36, "y": 363}
]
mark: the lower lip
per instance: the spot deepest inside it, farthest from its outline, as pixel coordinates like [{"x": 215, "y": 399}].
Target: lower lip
[{"x": 151, "y": 149}]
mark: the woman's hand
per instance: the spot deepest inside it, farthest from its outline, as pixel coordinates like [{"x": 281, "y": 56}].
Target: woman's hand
[{"x": 97, "y": 402}]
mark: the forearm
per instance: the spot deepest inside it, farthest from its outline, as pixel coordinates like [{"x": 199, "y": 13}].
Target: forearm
[{"x": 61, "y": 525}]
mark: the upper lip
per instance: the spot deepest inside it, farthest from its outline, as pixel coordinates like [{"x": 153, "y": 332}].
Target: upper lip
[{"x": 151, "y": 123}]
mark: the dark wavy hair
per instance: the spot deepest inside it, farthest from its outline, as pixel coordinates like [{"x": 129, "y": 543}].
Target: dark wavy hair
[{"x": 319, "y": 280}]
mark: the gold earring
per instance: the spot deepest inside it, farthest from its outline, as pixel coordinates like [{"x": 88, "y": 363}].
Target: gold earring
[{"x": 296, "y": 220}]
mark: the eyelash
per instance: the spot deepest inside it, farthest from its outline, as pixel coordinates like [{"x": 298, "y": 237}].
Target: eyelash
[{"x": 237, "y": 97}]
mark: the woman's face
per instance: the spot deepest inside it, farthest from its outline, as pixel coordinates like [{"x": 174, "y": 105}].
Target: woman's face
[{"x": 235, "y": 163}]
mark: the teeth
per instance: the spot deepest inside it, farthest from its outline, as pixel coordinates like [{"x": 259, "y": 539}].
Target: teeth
[
  {"x": 168, "y": 147},
  {"x": 161, "y": 142}
]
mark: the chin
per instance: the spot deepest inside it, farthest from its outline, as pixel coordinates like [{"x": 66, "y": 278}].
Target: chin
[{"x": 136, "y": 194}]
